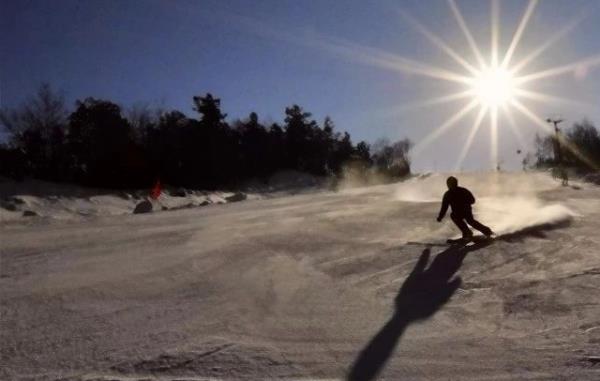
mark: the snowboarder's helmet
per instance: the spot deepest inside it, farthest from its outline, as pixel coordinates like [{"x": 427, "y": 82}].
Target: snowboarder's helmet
[{"x": 452, "y": 182}]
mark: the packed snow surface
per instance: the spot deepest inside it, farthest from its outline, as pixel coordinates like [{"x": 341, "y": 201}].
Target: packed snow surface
[{"x": 353, "y": 284}]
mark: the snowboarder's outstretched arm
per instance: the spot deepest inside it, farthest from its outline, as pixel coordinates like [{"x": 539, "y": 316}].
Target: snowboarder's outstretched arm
[{"x": 444, "y": 207}]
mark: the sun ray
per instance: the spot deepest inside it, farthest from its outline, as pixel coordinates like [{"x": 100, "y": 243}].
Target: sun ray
[
  {"x": 431, "y": 102},
  {"x": 539, "y": 122},
  {"x": 542, "y": 97},
  {"x": 548, "y": 43},
  {"x": 344, "y": 48},
  {"x": 495, "y": 32},
  {"x": 494, "y": 135},
  {"x": 463, "y": 26},
  {"x": 437, "y": 41},
  {"x": 519, "y": 32},
  {"x": 513, "y": 126},
  {"x": 470, "y": 138},
  {"x": 379, "y": 58},
  {"x": 584, "y": 64},
  {"x": 445, "y": 126}
]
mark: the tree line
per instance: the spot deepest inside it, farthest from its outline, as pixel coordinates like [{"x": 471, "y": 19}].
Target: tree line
[
  {"x": 577, "y": 147},
  {"x": 98, "y": 144}
]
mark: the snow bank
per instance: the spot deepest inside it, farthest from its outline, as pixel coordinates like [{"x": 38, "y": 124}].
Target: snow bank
[{"x": 67, "y": 202}]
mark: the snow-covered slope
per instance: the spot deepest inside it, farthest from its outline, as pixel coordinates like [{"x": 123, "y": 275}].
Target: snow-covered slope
[{"x": 324, "y": 285}]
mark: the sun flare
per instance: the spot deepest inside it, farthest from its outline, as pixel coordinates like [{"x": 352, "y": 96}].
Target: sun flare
[{"x": 494, "y": 87}]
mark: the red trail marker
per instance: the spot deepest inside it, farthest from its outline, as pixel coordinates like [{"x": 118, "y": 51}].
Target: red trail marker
[{"x": 156, "y": 190}]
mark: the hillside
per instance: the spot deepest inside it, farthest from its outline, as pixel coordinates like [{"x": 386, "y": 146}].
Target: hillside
[{"x": 311, "y": 286}]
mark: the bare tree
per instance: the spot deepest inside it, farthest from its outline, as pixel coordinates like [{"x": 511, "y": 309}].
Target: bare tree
[
  {"x": 392, "y": 158},
  {"x": 37, "y": 128},
  {"x": 44, "y": 114},
  {"x": 142, "y": 118}
]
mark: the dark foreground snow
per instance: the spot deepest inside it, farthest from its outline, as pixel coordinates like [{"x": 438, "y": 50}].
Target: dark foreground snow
[{"x": 325, "y": 285}]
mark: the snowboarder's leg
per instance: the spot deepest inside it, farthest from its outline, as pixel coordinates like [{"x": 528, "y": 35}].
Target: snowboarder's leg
[
  {"x": 459, "y": 221},
  {"x": 478, "y": 225}
]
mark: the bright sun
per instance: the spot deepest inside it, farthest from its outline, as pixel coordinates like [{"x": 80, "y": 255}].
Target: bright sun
[{"x": 493, "y": 87}]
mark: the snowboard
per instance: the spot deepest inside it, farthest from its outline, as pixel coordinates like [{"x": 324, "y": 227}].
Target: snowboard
[
  {"x": 469, "y": 242},
  {"x": 458, "y": 242}
]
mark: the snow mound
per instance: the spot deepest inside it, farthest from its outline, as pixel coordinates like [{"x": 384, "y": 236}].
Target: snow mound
[
  {"x": 71, "y": 202},
  {"x": 512, "y": 214}
]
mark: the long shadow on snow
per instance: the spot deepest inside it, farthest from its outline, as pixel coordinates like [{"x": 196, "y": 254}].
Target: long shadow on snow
[
  {"x": 535, "y": 231},
  {"x": 423, "y": 293}
]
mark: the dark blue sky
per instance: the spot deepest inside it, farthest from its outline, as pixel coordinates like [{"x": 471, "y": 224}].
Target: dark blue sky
[{"x": 265, "y": 55}]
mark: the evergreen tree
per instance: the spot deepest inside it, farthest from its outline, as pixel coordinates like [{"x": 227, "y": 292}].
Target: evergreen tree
[
  {"x": 167, "y": 145},
  {"x": 584, "y": 136},
  {"x": 214, "y": 149},
  {"x": 299, "y": 133},
  {"x": 99, "y": 139},
  {"x": 254, "y": 146}
]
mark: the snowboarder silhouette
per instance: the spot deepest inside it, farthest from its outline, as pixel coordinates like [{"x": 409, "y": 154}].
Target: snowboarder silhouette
[{"x": 460, "y": 200}]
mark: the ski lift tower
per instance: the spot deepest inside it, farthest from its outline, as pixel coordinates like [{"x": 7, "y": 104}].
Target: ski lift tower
[{"x": 557, "y": 150}]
